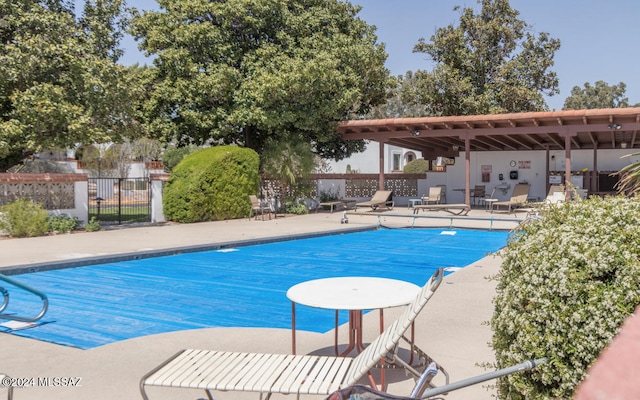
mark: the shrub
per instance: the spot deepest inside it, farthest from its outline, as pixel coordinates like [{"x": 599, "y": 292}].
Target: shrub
[
  {"x": 329, "y": 196},
  {"x": 298, "y": 209},
  {"x": 93, "y": 225},
  {"x": 62, "y": 223},
  {"x": 417, "y": 166},
  {"x": 23, "y": 218},
  {"x": 212, "y": 184},
  {"x": 567, "y": 283}
]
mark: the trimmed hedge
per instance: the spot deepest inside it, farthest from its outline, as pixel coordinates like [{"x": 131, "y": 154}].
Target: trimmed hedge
[
  {"x": 567, "y": 283},
  {"x": 212, "y": 184},
  {"x": 417, "y": 166}
]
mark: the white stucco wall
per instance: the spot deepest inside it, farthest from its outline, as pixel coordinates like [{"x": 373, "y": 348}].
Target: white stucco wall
[{"x": 368, "y": 161}]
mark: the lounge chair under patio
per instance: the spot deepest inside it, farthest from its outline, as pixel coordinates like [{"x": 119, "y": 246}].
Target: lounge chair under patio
[
  {"x": 434, "y": 196},
  {"x": 455, "y": 209},
  {"x": 518, "y": 198},
  {"x": 290, "y": 374},
  {"x": 381, "y": 198},
  {"x": 478, "y": 194}
]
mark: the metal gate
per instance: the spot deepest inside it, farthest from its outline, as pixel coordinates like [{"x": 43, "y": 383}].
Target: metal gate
[{"x": 119, "y": 201}]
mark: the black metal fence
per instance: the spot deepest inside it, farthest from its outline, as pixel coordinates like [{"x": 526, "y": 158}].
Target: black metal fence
[{"x": 119, "y": 201}]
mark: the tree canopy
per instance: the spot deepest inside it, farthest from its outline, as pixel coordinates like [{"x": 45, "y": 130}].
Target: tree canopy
[
  {"x": 246, "y": 71},
  {"x": 600, "y": 95},
  {"x": 397, "y": 104},
  {"x": 59, "y": 81},
  {"x": 489, "y": 63}
]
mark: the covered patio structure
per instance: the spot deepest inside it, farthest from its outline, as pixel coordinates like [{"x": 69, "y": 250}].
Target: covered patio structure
[{"x": 595, "y": 129}]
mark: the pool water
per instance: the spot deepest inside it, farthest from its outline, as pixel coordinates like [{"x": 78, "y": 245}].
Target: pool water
[{"x": 237, "y": 287}]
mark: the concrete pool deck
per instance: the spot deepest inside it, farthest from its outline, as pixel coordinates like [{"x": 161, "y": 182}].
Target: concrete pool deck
[{"x": 450, "y": 329}]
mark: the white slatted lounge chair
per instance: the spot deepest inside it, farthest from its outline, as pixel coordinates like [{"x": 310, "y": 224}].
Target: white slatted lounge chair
[{"x": 212, "y": 370}]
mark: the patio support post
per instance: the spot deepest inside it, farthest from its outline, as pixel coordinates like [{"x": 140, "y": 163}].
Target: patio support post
[
  {"x": 595, "y": 182},
  {"x": 381, "y": 166},
  {"x": 467, "y": 172},
  {"x": 547, "y": 165},
  {"x": 567, "y": 167}
]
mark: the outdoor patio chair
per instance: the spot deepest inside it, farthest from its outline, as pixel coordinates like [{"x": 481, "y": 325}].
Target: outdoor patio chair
[
  {"x": 489, "y": 200},
  {"x": 518, "y": 197},
  {"x": 258, "y": 208},
  {"x": 434, "y": 196},
  {"x": 381, "y": 198},
  {"x": 422, "y": 389},
  {"x": 6, "y": 388},
  {"x": 478, "y": 194},
  {"x": 213, "y": 370}
]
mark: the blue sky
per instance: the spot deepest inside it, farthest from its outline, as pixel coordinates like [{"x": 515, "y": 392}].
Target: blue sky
[{"x": 599, "y": 40}]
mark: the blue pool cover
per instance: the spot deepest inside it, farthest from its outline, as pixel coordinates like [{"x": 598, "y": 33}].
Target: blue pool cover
[{"x": 240, "y": 287}]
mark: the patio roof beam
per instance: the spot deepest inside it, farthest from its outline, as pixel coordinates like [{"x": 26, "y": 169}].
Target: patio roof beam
[
  {"x": 554, "y": 140},
  {"x": 575, "y": 142},
  {"x": 613, "y": 140},
  {"x": 526, "y": 146},
  {"x": 503, "y": 143},
  {"x": 482, "y": 143}
]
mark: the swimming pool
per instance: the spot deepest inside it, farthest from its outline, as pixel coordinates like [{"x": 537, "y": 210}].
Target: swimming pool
[{"x": 235, "y": 287}]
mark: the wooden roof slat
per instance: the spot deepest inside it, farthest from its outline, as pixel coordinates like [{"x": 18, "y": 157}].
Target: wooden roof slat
[
  {"x": 554, "y": 140},
  {"x": 487, "y": 141},
  {"x": 575, "y": 142}
]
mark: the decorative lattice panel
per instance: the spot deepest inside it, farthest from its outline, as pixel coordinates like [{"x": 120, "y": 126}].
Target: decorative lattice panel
[
  {"x": 366, "y": 187},
  {"x": 272, "y": 189},
  {"x": 402, "y": 187},
  {"x": 355, "y": 188},
  {"x": 52, "y": 195}
]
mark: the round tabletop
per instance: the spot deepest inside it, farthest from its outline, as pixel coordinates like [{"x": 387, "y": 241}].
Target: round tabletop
[{"x": 353, "y": 293}]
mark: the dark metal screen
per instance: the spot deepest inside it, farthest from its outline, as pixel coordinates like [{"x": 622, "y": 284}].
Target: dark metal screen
[{"x": 119, "y": 201}]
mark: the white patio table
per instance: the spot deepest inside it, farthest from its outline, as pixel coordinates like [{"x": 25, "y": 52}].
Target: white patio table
[{"x": 354, "y": 294}]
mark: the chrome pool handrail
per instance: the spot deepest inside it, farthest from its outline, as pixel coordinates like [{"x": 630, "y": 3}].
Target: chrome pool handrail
[{"x": 20, "y": 285}]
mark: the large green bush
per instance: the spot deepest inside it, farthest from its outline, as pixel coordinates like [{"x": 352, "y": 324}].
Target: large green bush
[
  {"x": 567, "y": 283},
  {"x": 24, "y": 218},
  {"x": 212, "y": 184}
]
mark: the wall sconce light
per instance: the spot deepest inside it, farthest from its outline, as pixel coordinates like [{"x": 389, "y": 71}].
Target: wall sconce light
[
  {"x": 623, "y": 145},
  {"x": 614, "y": 126},
  {"x": 455, "y": 147},
  {"x": 414, "y": 132}
]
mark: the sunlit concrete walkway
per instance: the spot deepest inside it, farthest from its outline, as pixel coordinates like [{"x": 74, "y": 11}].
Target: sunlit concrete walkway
[{"x": 451, "y": 329}]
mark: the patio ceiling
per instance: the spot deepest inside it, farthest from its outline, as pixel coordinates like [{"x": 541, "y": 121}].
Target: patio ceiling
[{"x": 612, "y": 128}]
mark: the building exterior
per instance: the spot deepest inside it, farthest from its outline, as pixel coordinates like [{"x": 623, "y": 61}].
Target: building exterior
[{"x": 367, "y": 162}]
